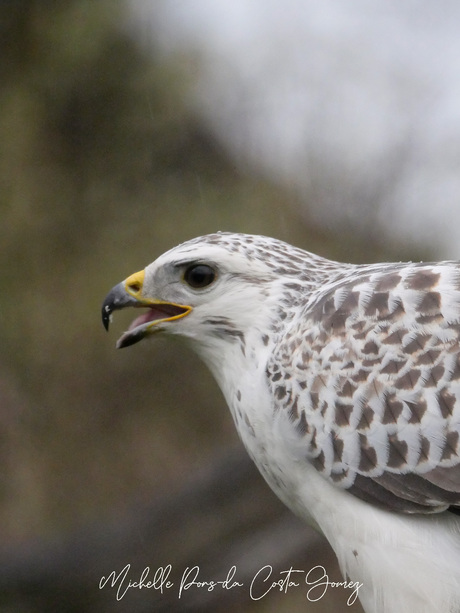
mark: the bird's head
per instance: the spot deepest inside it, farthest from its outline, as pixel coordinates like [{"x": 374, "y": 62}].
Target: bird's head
[{"x": 214, "y": 287}]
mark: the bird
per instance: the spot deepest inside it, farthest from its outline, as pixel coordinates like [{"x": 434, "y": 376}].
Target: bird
[{"x": 343, "y": 381}]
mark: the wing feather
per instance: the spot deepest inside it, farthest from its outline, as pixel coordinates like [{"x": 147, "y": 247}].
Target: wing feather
[{"x": 375, "y": 383}]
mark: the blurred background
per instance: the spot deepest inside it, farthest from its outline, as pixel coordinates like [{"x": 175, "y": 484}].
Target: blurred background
[{"x": 127, "y": 127}]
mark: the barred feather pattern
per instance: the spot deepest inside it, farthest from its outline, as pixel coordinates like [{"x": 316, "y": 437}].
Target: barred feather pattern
[
  {"x": 369, "y": 373},
  {"x": 344, "y": 384},
  {"x": 366, "y": 364}
]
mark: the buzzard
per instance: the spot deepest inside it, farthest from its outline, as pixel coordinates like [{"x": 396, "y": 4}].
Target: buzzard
[{"x": 344, "y": 385}]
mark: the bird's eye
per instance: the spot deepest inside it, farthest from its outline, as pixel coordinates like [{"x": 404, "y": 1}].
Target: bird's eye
[{"x": 199, "y": 275}]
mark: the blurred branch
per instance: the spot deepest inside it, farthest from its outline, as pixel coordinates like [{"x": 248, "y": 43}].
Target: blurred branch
[{"x": 244, "y": 525}]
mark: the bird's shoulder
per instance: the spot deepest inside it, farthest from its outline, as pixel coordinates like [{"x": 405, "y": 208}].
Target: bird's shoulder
[{"x": 368, "y": 374}]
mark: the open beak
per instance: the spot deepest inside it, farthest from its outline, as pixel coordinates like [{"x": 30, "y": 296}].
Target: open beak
[{"x": 128, "y": 293}]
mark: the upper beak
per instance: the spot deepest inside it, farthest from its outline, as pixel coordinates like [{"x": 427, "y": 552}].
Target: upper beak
[{"x": 129, "y": 293}]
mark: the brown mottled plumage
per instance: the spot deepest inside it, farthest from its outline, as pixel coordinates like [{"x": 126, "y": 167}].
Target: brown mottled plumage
[{"x": 344, "y": 384}]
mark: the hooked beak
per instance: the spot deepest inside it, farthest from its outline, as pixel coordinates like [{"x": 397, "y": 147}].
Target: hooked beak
[{"x": 128, "y": 293}]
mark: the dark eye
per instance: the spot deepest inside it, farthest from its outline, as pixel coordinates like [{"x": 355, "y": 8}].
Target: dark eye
[{"x": 199, "y": 275}]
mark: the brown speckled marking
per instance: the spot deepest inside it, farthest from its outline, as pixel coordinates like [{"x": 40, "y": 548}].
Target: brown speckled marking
[
  {"x": 368, "y": 459},
  {"x": 371, "y": 347},
  {"x": 337, "y": 477},
  {"x": 446, "y": 402},
  {"x": 393, "y": 409},
  {"x": 377, "y": 305},
  {"x": 451, "y": 447},
  {"x": 393, "y": 367},
  {"x": 301, "y": 427},
  {"x": 436, "y": 374},
  {"x": 367, "y": 418},
  {"x": 430, "y": 302},
  {"x": 423, "y": 280},
  {"x": 424, "y": 449},
  {"x": 455, "y": 376},
  {"x": 343, "y": 413},
  {"x": 361, "y": 366},
  {"x": 408, "y": 380},
  {"x": 347, "y": 389},
  {"x": 360, "y": 376},
  {"x": 417, "y": 344},
  {"x": 395, "y": 338},
  {"x": 314, "y": 397},
  {"x": 337, "y": 445},
  {"x": 429, "y": 357},
  {"x": 280, "y": 392},
  {"x": 319, "y": 461},
  {"x": 398, "y": 452},
  {"x": 388, "y": 282},
  {"x": 418, "y": 410},
  {"x": 425, "y": 319},
  {"x": 351, "y": 302},
  {"x": 294, "y": 411}
]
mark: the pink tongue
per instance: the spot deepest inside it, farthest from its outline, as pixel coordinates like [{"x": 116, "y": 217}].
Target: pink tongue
[
  {"x": 142, "y": 319},
  {"x": 152, "y": 314}
]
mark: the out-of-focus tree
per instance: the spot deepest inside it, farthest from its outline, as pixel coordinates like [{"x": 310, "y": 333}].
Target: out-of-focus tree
[{"x": 102, "y": 167}]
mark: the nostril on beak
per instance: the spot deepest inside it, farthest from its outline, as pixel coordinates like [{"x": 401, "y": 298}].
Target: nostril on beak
[
  {"x": 134, "y": 287},
  {"x": 134, "y": 284}
]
